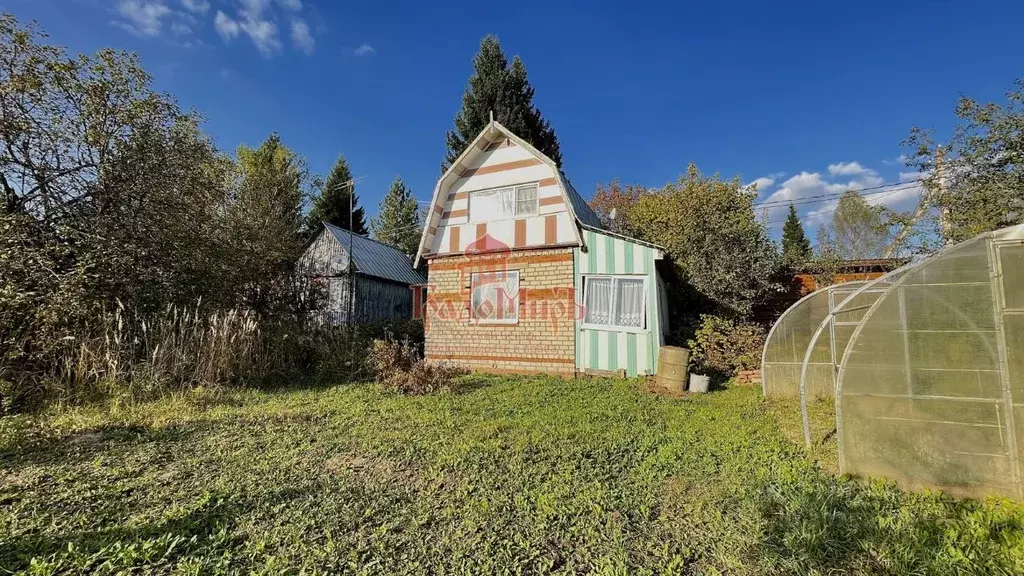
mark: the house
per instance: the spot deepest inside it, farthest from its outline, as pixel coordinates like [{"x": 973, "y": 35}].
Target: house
[
  {"x": 524, "y": 279},
  {"x": 382, "y": 277},
  {"x": 814, "y": 275},
  {"x": 808, "y": 276}
]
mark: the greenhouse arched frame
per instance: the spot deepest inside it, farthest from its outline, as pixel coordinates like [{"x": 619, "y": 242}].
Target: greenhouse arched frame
[{"x": 929, "y": 388}]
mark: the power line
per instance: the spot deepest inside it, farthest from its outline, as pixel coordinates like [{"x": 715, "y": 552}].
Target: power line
[
  {"x": 884, "y": 194},
  {"x": 881, "y": 189}
]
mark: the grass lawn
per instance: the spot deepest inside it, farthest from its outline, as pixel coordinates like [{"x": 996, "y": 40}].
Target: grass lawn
[{"x": 509, "y": 476}]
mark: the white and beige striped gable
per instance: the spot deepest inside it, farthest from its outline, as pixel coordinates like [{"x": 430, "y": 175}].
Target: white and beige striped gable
[{"x": 503, "y": 188}]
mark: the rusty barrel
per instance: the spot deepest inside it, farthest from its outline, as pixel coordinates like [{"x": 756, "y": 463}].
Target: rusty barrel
[{"x": 672, "y": 365}]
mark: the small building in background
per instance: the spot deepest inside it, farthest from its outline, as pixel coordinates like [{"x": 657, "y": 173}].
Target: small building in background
[
  {"x": 814, "y": 276},
  {"x": 382, "y": 277}
]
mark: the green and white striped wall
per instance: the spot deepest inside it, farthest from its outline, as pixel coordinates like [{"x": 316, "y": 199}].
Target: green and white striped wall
[{"x": 610, "y": 350}]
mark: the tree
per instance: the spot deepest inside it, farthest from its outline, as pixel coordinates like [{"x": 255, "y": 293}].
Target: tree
[
  {"x": 796, "y": 248},
  {"x": 713, "y": 237},
  {"x": 505, "y": 90},
  {"x": 109, "y": 194},
  {"x": 858, "y": 229},
  {"x": 979, "y": 185},
  {"x": 337, "y": 193},
  {"x": 614, "y": 198},
  {"x": 266, "y": 219},
  {"x": 398, "y": 221},
  {"x": 827, "y": 260}
]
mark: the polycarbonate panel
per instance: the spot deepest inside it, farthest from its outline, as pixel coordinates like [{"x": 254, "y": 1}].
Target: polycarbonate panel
[
  {"x": 931, "y": 386},
  {"x": 787, "y": 342}
]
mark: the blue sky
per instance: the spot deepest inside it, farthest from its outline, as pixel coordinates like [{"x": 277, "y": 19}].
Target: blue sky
[{"x": 804, "y": 97}]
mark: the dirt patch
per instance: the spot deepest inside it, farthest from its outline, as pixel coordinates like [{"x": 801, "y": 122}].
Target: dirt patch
[
  {"x": 652, "y": 387},
  {"x": 375, "y": 469},
  {"x": 86, "y": 438}
]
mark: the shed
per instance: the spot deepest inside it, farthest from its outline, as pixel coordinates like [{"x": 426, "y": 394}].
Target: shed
[{"x": 382, "y": 277}]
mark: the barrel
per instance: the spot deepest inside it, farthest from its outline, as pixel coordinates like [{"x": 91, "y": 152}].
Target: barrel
[{"x": 672, "y": 364}]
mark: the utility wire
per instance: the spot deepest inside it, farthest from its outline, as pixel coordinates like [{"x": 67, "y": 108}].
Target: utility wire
[
  {"x": 881, "y": 189},
  {"x": 884, "y": 194}
]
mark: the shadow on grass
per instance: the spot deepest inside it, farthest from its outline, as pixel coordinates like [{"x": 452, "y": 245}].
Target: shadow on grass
[
  {"x": 84, "y": 445},
  {"x": 210, "y": 525},
  {"x": 825, "y": 525}
]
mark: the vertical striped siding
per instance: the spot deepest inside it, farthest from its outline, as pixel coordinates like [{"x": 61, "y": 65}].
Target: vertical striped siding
[{"x": 636, "y": 353}]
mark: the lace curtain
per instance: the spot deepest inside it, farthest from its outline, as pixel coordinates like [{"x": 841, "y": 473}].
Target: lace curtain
[
  {"x": 615, "y": 302},
  {"x": 629, "y": 302}
]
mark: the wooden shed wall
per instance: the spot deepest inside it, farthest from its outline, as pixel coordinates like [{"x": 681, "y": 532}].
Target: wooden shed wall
[{"x": 377, "y": 300}]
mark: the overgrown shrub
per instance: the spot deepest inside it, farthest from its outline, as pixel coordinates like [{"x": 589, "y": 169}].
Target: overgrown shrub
[
  {"x": 727, "y": 346},
  {"x": 130, "y": 355},
  {"x": 399, "y": 366}
]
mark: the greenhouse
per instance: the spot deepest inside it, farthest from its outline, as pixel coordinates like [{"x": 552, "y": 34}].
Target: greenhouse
[
  {"x": 928, "y": 366},
  {"x": 788, "y": 351}
]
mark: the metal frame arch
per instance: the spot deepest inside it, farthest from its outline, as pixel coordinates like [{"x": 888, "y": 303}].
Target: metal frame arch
[
  {"x": 771, "y": 332},
  {"x": 904, "y": 273},
  {"x": 825, "y": 323}
]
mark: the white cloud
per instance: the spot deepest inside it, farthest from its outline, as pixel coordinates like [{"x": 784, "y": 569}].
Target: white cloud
[
  {"x": 846, "y": 169},
  {"x": 226, "y": 27},
  {"x": 293, "y": 5},
  {"x": 301, "y": 36},
  {"x": 807, "y": 187},
  {"x": 180, "y": 28},
  {"x": 763, "y": 183},
  {"x": 910, "y": 176},
  {"x": 251, "y": 20},
  {"x": 142, "y": 17},
  {"x": 198, "y": 6},
  {"x": 900, "y": 160},
  {"x": 254, "y": 8},
  {"x": 263, "y": 34},
  {"x": 364, "y": 50}
]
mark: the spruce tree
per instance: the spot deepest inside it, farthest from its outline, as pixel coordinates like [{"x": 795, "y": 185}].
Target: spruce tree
[
  {"x": 796, "y": 248},
  {"x": 398, "y": 222},
  {"x": 332, "y": 204},
  {"x": 505, "y": 90}
]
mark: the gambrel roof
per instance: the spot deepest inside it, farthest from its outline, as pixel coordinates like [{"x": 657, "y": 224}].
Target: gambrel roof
[{"x": 580, "y": 211}]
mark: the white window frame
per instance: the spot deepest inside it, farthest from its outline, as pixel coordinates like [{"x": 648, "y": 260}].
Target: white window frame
[
  {"x": 515, "y": 202},
  {"x": 615, "y": 327},
  {"x": 472, "y": 309}
]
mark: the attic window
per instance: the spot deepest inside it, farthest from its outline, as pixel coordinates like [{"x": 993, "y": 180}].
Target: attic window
[{"x": 503, "y": 203}]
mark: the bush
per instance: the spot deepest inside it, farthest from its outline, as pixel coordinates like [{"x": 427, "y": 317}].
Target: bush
[
  {"x": 399, "y": 366},
  {"x": 726, "y": 346}
]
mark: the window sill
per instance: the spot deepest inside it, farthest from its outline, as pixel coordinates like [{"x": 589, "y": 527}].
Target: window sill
[
  {"x": 606, "y": 328},
  {"x": 494, "y": 322}
]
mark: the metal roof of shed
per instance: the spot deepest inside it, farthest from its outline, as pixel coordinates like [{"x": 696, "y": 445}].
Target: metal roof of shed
[{"x": 377, "y": 259}]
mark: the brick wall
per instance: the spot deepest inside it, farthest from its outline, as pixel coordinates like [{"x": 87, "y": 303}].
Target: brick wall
[{"x": 543, "y": 340}]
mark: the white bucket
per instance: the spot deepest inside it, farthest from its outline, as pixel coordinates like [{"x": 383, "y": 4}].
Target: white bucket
[{"x": 699, "y": 383}]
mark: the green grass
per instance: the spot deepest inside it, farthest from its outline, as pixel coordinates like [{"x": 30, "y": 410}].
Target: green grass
[{"x": 510, "y": 476}]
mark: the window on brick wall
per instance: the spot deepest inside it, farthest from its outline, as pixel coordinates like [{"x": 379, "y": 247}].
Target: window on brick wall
[
  {"x": 495, "y": 297},
  {"x": 615, "y": 302}
]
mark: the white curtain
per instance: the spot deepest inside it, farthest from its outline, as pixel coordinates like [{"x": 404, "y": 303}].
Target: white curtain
[
  {"x": 508, "y": 297},
  {"x": 495, "y": 296},
  {"x": 490, "y": 205},
  {"x": 526, "y": 201},
  {"x": 599, "y": 300},
  {"x": 629, "y": 302}
]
